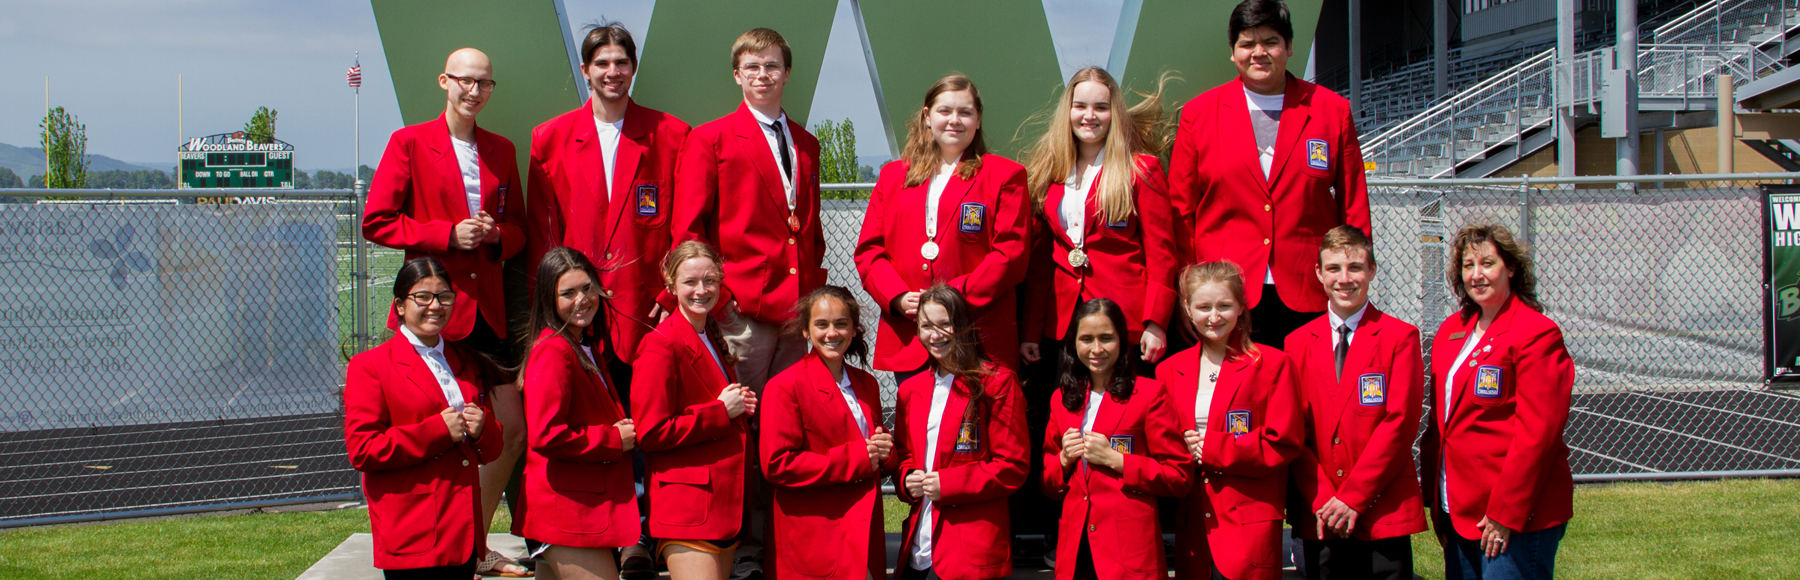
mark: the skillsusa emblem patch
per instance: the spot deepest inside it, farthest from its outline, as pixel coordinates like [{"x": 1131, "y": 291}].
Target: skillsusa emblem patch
[
  {"x": 1372, "y": 389},
  {"x": 968, "y": 439},
  {"x": 1237, "y": 422},
  {"x": 972, "y": 215},
  {"x": 646, "y": 199},
  {"x": 1487, "y": 382},
  {"x": 1318, "y": 155},
  {"x": 1121, "y": 444}
]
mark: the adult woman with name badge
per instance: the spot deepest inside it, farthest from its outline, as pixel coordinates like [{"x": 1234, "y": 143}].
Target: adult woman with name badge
[
  {"x": 416, "y": 427},
  {"x": 1495, "y": 465},
  {"x": 946, "y": 211}
]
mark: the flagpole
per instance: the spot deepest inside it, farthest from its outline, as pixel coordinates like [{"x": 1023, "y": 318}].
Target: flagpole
[{"x": 356, "y": 127}]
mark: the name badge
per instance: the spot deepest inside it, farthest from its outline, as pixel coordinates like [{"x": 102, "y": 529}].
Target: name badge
[
  {"x": 1373, "y": 389},
  {"x": 1237, "y": 422},
  {"x": 968, "y": 439},
  {"x": 646, "y": 199},
  {"x": 1318, "y": 154},
  {"x": 1121, "y": 444},
  {"x": 1487, "y": 382},
  {"x": 973, "y": 215}
]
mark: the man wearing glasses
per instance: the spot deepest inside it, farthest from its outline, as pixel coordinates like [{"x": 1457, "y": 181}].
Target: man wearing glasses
[
  {"x": 748, "y": 183},
  {"x": 447, "y": 189}
]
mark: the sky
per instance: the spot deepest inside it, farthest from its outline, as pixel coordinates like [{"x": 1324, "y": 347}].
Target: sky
[{"x": 122, "y": 67}]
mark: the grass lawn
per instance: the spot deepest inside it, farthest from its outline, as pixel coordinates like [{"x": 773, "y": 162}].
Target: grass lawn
[{"x": 1732, "y": 529}]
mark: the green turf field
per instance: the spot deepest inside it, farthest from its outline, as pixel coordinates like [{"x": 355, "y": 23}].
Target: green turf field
[{"x": 1733, "y": 529}]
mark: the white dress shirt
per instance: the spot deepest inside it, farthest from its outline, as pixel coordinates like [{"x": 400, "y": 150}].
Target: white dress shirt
[
  {"x": 862, "y": 422},
  {"x": 1449, "y": 393},
  {"x": 469, "y": 161},
  {"x": 1073, "y": 210},
  {"x": 938, "y": 183},
  {"x": 787, "y": 178},
  {"x": 1354, "y": 322},
  {"x": 609, "y": 149},
  {"x": 440, "y": 367},
  {"x": 940, "y": 397}
]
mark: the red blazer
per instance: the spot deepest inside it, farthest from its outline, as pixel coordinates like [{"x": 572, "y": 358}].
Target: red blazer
[
  {"x": 417, "y": 199},
  {"x": 729, "y": 189},
  {"x": 1362, "y": 425},
  {"x": 1232, "y": 520},
  {"x": 1227, "y": 210},
  {"x": 577, "y": 489},
  {"x": 424, "y": 491},
  {"x": 982, "y": 238},
  {"x": 1503, "y": 444},
  {"x": 626, "y": 236},
  {"x": 1132, "y": 263},
  {"x": 977, "y": 469},
  {"x": 695, "y": 452},
  {"x": 1092, "y": 497},
  {"x": 827, "y": 496}
]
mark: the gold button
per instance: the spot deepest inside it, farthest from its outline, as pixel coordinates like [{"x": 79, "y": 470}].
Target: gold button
[
  {"x": 1340, "y": 473},
  {"x": 1334, "y": 441},
  {"x": 1090, "y": 527},
  {"x": 926, "y": 266},
  {"x": 1205, "y": 480},
  {"x": 793, "y": 271},
  {"x": 1209, "y": 514},
  {"x": 790, "y": 241},
  {"x": 1266, "y": 207},
  {"x": 1265, "y": 241},
  {"x": 1084, "y": 498},
  {"x": 471, "y": 275},
  {"x": 609, "y": 255},
  {"x": 465, "y": 463}
]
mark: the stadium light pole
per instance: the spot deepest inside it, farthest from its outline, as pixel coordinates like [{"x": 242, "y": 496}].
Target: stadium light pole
[
  {"x": 1565, "y": 88},
  {"x": 1625, "y": 55},
  {"x": 1440, "y": 46},
  {"x": 1355, "y": 60}
]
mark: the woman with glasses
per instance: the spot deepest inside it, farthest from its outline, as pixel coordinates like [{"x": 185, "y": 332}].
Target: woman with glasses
[
  {"x": 416, "y": 426},
  {"x": 577, "y": 498},
  {"x": 693, "y": 422}
]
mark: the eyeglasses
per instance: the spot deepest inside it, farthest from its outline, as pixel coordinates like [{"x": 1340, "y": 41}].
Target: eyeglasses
[
  {"x": 773, "y": 69},
  {"x": 469, "y": 84},
  {"x": 424, "y": 299}
]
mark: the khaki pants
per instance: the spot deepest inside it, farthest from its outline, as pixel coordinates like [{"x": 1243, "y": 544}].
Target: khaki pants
[{"x": 762, "y": 352}]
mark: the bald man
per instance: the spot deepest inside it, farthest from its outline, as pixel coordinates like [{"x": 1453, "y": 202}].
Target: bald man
[{"x": 450, "y": 190}]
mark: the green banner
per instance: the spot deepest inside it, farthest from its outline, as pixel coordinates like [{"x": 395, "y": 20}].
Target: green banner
[{"x": 1781, "y": 222}]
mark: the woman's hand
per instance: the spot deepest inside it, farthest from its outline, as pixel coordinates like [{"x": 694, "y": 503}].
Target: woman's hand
[
  {"x": 734, "y": 397},
  {"x": 1196, "y": 441},
  {"x": 915, "y": 483},
  {"x": 1153, "y": 342},
  {"x": 627, "y": 433},
  {"x": 454, "y": 420},
  {"x": 881, "y": 444},
  {"x": 1073, "y": 447},
  {"x": 906, "y": 305},
  {"x": 932, "y": 487},
  {"x": 1494, "y": 537},
  {"x": 1100, "y": 453},
  {"x": 1029, "y": 351},
  {"x": 473, "y": 417}
]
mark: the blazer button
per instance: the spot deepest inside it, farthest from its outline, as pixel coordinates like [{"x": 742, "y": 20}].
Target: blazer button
[
  {"x": 471, "y": 275},
  {"x": 790, "y": 241},
  {"x": 465, "y": 463},
  {"x": 609, "y": 255},
  {"x": 1340, "y": 473},
  {"x": 924, "y": 266},
  {"x": 1334, "y": 441},
  {"x": 1209, "y": 514},
  {"x": 1084, "y": 498},
  {"x": 1090, "y": 527},
  {"x": 1267, "y": 207},
  {"x": 1265, "y": 241},
  {"x": 793, "y": 271}
]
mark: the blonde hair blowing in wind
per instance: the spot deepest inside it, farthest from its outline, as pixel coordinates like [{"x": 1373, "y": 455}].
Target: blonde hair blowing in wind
[{"x": 1135, "y": 130}]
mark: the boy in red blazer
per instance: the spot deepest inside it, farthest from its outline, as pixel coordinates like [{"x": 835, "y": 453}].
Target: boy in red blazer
[
  {"x": 1262, "y": 162},
  {"x": 448, "y": 189},
  {"x": 1361, "y": 384}
]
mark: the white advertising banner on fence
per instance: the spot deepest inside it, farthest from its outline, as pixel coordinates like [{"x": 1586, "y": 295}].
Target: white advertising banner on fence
[{"x": 161, "y": 313}]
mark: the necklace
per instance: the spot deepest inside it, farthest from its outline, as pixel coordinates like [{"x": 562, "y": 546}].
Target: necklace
[{"x": 1213, "y": 377}]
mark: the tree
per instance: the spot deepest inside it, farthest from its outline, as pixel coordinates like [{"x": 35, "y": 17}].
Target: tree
[
  {"x": 302, "y": 180},
  {"x": 10, "y": 180},
  {"x": 64, "y": 140},
  {"x": 365, "y": 174},
  {"x": 837, "y": 157},
  {"x": 261, "y": 128}
]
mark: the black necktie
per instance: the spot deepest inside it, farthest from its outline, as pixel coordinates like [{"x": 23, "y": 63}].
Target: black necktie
[
  {"x": 1343, "y": 348},
  {"x": 787, "y": 163}
]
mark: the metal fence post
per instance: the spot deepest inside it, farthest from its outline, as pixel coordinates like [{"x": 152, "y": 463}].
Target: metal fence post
[
  {"x": 1525, "y": 213},
  {"x": 360, "y": 337}
]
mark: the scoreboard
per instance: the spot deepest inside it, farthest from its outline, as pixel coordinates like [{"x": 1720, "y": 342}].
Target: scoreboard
[{"x": 229, "y": 160}]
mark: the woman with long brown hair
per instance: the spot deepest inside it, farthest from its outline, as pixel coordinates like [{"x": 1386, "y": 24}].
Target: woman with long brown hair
[
  {"x": 946, "y": 211},
  {"x": 962, "y": 446}
]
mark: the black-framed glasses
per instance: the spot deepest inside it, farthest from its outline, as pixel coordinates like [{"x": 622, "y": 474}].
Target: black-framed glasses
[
  {"x": 424, "y": 299},
  {"x": 469, "y": 84}
]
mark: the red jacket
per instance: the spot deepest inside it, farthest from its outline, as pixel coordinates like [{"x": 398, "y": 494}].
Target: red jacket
[
  {"x": 577, "y": 490},
  {"x": 1226, "y": 210},
  {"x": 417, "y": 199},
  {"x": 695, "y": 451},
  {"x": 424, "y": 490},
  {"x": 982, "y": 238},
  {"x": 978, "y": 469},
  {"x": 1232, "y": 520},
  {"x": 1362, "y": 425},
  {"x": 626, "y": 236},
  {"x": 827, "y": 496},
  {"x": 1117, "y": 510},
  {"x": 729, "y": 193},
  {"x": 1502, "y": 445},
  {"x": 1132, "y": 262}
]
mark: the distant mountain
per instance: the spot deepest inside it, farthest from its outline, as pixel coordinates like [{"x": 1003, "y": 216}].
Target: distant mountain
[{"x": 29, "y": 161}]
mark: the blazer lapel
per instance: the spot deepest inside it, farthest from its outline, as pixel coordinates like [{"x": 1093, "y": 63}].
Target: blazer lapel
[
  {"x": 449, "y": 169},
  {"x": 868, "y": 396},
  {"x": 711, "y": 372},
  {"x": 950, "y": 203},
  {"x": 1232, "y": 376},
  {"x": 1093, "y": 223},
  {"x": 1053, "y": 212},
  {"x": 1363, "y": 343},
  {"x": 1185, "y": 387},
  {"x": 756, "y": 145},
  {"x": 625, "y": 164},
  {"x": 1295, "y": 112},
  {"x": 950, "y": 425},
  {"x": 1111, "y": 413},
  {"x": 420, "y": 375},
  {"x": 1236, "y": 124},
  {"x": 1482, "y": 354}
]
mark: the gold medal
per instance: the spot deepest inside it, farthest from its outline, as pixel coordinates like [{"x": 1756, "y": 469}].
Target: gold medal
[
  {"x": 1078, "y": 258},
  {"x": 929, "y": 250},
  {"x": 793, "y": 223}
]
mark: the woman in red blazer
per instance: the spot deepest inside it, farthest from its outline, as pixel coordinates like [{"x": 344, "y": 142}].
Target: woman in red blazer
[
  {"x": 946, "y": 211},
  {"x": 823, "y": 449},
  {"x": 414, "y": 425},
  {"x": 577, "y": 496},
  {"x": 1121, "y": 247},
  {"x": 1239, "y": 406},
  {"x": 1496, "y": 468},
  {"x": 961, "y": 447},
  {"x": 1111, "y": 446},
  {"x": 693, "y": 423}
]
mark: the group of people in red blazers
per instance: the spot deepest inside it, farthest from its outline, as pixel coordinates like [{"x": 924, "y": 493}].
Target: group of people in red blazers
[{"x": 687, "y": 393}]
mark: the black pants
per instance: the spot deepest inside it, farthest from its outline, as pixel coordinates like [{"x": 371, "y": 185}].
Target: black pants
[
  {"x": 1271, "y": 321},
  {"x": 1084, "y": 561},
  {"x": 908, "y": 573},
  {"x": 1387, "y": 558},
  {"x": 484, "y": 340},
  {"x": 462, "y": 571}
]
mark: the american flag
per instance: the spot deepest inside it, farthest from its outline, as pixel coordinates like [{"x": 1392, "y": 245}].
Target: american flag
[{"x": 354, "y": 75}]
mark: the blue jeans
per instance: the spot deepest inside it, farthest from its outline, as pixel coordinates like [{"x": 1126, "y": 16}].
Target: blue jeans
[{"x": 1528, "y": 556}]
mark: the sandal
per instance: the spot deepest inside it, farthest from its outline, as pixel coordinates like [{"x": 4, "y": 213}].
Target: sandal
[{"x": 497, "y": 564}]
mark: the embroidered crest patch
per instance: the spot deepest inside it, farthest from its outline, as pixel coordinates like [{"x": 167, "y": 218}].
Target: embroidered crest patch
[
  {"x": 1237, "y": 422},
  {"x": 500, "y": 209},
  {"x": 1121, "y": 224},
  {"x": 1372, "y": 389},
  {"x": 646, "y": 199},
  {"x": 1121, "y": 443},
  {"x": 1318, "y": 154},
  {"x": 972, "y": 216},
  {"x": 968, "y": 439},
  {"x": 1487, "y": 382}
]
